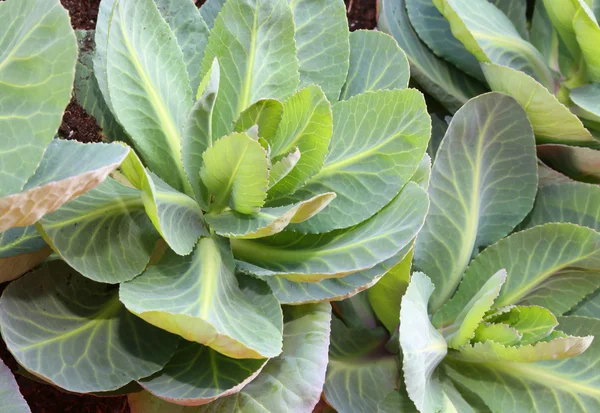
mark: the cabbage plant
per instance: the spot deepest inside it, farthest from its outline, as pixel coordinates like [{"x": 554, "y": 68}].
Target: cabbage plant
[
  {"x": 458, "y": 49},
  {"x": 275, "y": 159},
  {"x": 502, "y": 305}
]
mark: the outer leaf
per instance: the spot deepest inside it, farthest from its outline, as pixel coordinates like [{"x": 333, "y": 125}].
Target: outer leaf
[
  {"x": 201, "y": 290},
  {"x": 440, "y": 79},
  {"x": 474, "y": 201},
  {"x": 101, "y": 45},
  {"x": 322, "y": 40},
  {"x": 149, "y": 86},
  {"x": 423, "y": 173},
  {"x": 548, "y": 176},
  {"x": 491, "y": 37},
  {"x": 561, "y": 14},
  {"x": 438, "y": 130},
  {"x": 587, "y": 33},
  {"x": 516, "y": 11},
  {"x": 93, "y": 232},
  {"x": 386, "y": 295},
  {"x": 268, "y": 221},
  {"x": 235, "y": 172},
  {"x": 423, "y": 347},
  {"x": 254, "y": 42},
  {"x": 316, "y": 257},
  {"x": 586, "y": 97},
  {"x": 498, "y": 333},
  {"x": 69, "y": 331},
  {"x": 12, "y": 400},
  {"x": 20, "y": 240},
  {"x": 581, "y": 164},
  {"x": 572, "y": 202},
  {"x": 15, "y": 266},
  {"x": 551, "y": 121},
  {"x": 378, "y": 140},
  {"x": 571, "y": 384},
  {"x": 590, "y": 307},
  {"x": 265, "y": 113},
  {"x": 544, "y": 36},
  {"x": 67, "y": 170},
  {"x": 360, "y": 372},
  {"x": 307, "y": 124},
  {"x": 376, "y": 63},
  {"x": 462, "y": 329},
  {"x": 530, "y": 258},
  {"x": 435, "y": 31},
  {"x": 197, "y": 374},
  {"x": 396, "y": 402},
  {"x": 534, "y": 323},
  {"x": 197, "y": 133},
  {"x": 36, "y": 77},
  {"x": 209, "y": 11},
  {"x": 190, "y": 31}
]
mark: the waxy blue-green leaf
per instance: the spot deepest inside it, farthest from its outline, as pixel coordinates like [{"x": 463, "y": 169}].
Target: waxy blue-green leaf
[
  {"x": 67, "y": 170},
  {"x": 376, "y": 63},
  {"x": 190, "y": 31},
  {"x": 499, "y": 333},
  {"x": 315, "y": 257},
  {"x": 580, "y": 164},
  {"x": 361, "y": 372},
  {"x": 573, "y": 202},
  {"x": 198, "y": 374},
  {"x": 534, "y": 323},
  {"x": 516, "y": 11},
  {"x": 590, "y": 306},
  {"x": 572, "y": 384},
  {"x": 379, "y": 139},
  {"x": 149, "y": 86},
  {"x": 209, "y": 11},
  {"x": 530, "y": 258},
  {"x": 586, "y": 98},
  {"x": 307, "y": 124},
  {"x": 235, "y": 171},
  {"x": 440, "y": 79},
  {"x": 101, "y": 48},
  {"x": 254, "y": 42},
  {"x": 12, "y": 400},
  {"x": 491, "y": 37},
  {"x": 321, "y": 34},
  {"x": 462, "y": 329},
  {"x": 423, "y": 347},
  {"x": 104, "y": 234},
  {"x": 74, "y": 332},
  {"x": 197, "y": 133},
  {"x": 474, "y": 199},
  {"x": 438, "y": 130},
  {"x": 36, "y": 76},
  {"x": 552, "y": 122},
  {"x": 435, "y": 31},
  {"x": 548, "y": 176},
  {"x": 198, "y": 298},
  {"x": 396, "y": 401},
  {"x": 291, "y": 382},
  {"x": 266, "y": 114},
  {"x": 422, "y": 175},
  {"x": 267, "y": 221},
  {"x": 21, "y": 249},
  {"x": 543, "y": 35}
]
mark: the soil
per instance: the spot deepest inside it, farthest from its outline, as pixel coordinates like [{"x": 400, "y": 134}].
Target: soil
[{"x": 80, "y": 126}]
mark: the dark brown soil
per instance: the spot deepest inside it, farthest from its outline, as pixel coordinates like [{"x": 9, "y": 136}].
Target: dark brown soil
[
  {"x": 362, "y": 14},
  {"x": 83, "y": 13},
  {"x": 78, "y": 125}
]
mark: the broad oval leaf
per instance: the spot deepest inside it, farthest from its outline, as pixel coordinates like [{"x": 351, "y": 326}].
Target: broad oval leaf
[
  {"x": 149, "y": 86},
  {"x": 586, "y": 97},
  {"x": 74, "y": 332},
  {"x": 104, "y": 234},
  {"x": 306, "y": 124},
  {"x": 254, "y": 42},
  {"x": 315, "y": 257},
  {"x": 67, "y": 170},
  {"x": 12, "y": 400},
  {"x": 199, "y": 299},
  {"x": 321, "y": 34},
  {"x": 423, "y": 347},
  {"x": 530, "y": 258},
  {"x": 581, "y": 164},
  {"x": 268, "y": 221},
  {"x": 552, "y": 122},
  {"x": 38, "y": 52},
  {"x": 491, "y": 37},
  {"x": 474, "y": 199},
  {"x": 235, "y": 171},
  {"x": 439, "y": 78},
  {"x": 379, "y": 139},
  {"x": 376, "y": 63}
]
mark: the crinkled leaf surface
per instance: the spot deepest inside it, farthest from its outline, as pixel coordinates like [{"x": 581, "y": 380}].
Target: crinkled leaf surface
[
  {"x": 12, "y": 400},
  {"x": 581, "y": 164},
  {"x": 199, "y": 299},
  {"x": 530, "y": 258},
  {"x": 74, "y": 332},
  {"x": 67, "y": 170},
  {"x": 376, "y": 63},
  {"x": 254, "y": 42},
  {"x": 442, "y": 80},
  {"x": 104, "y": 234},
  {"x": 36, "y": 77},
  {"x": 534, "y": 323},
  {"x": 321, "y": 34},
  {"x": 315, "y": 257},
  {"x": 378, "y": 140},
  {"x": 499, "y": 333},
  {"x": 482, "y": 185}
]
